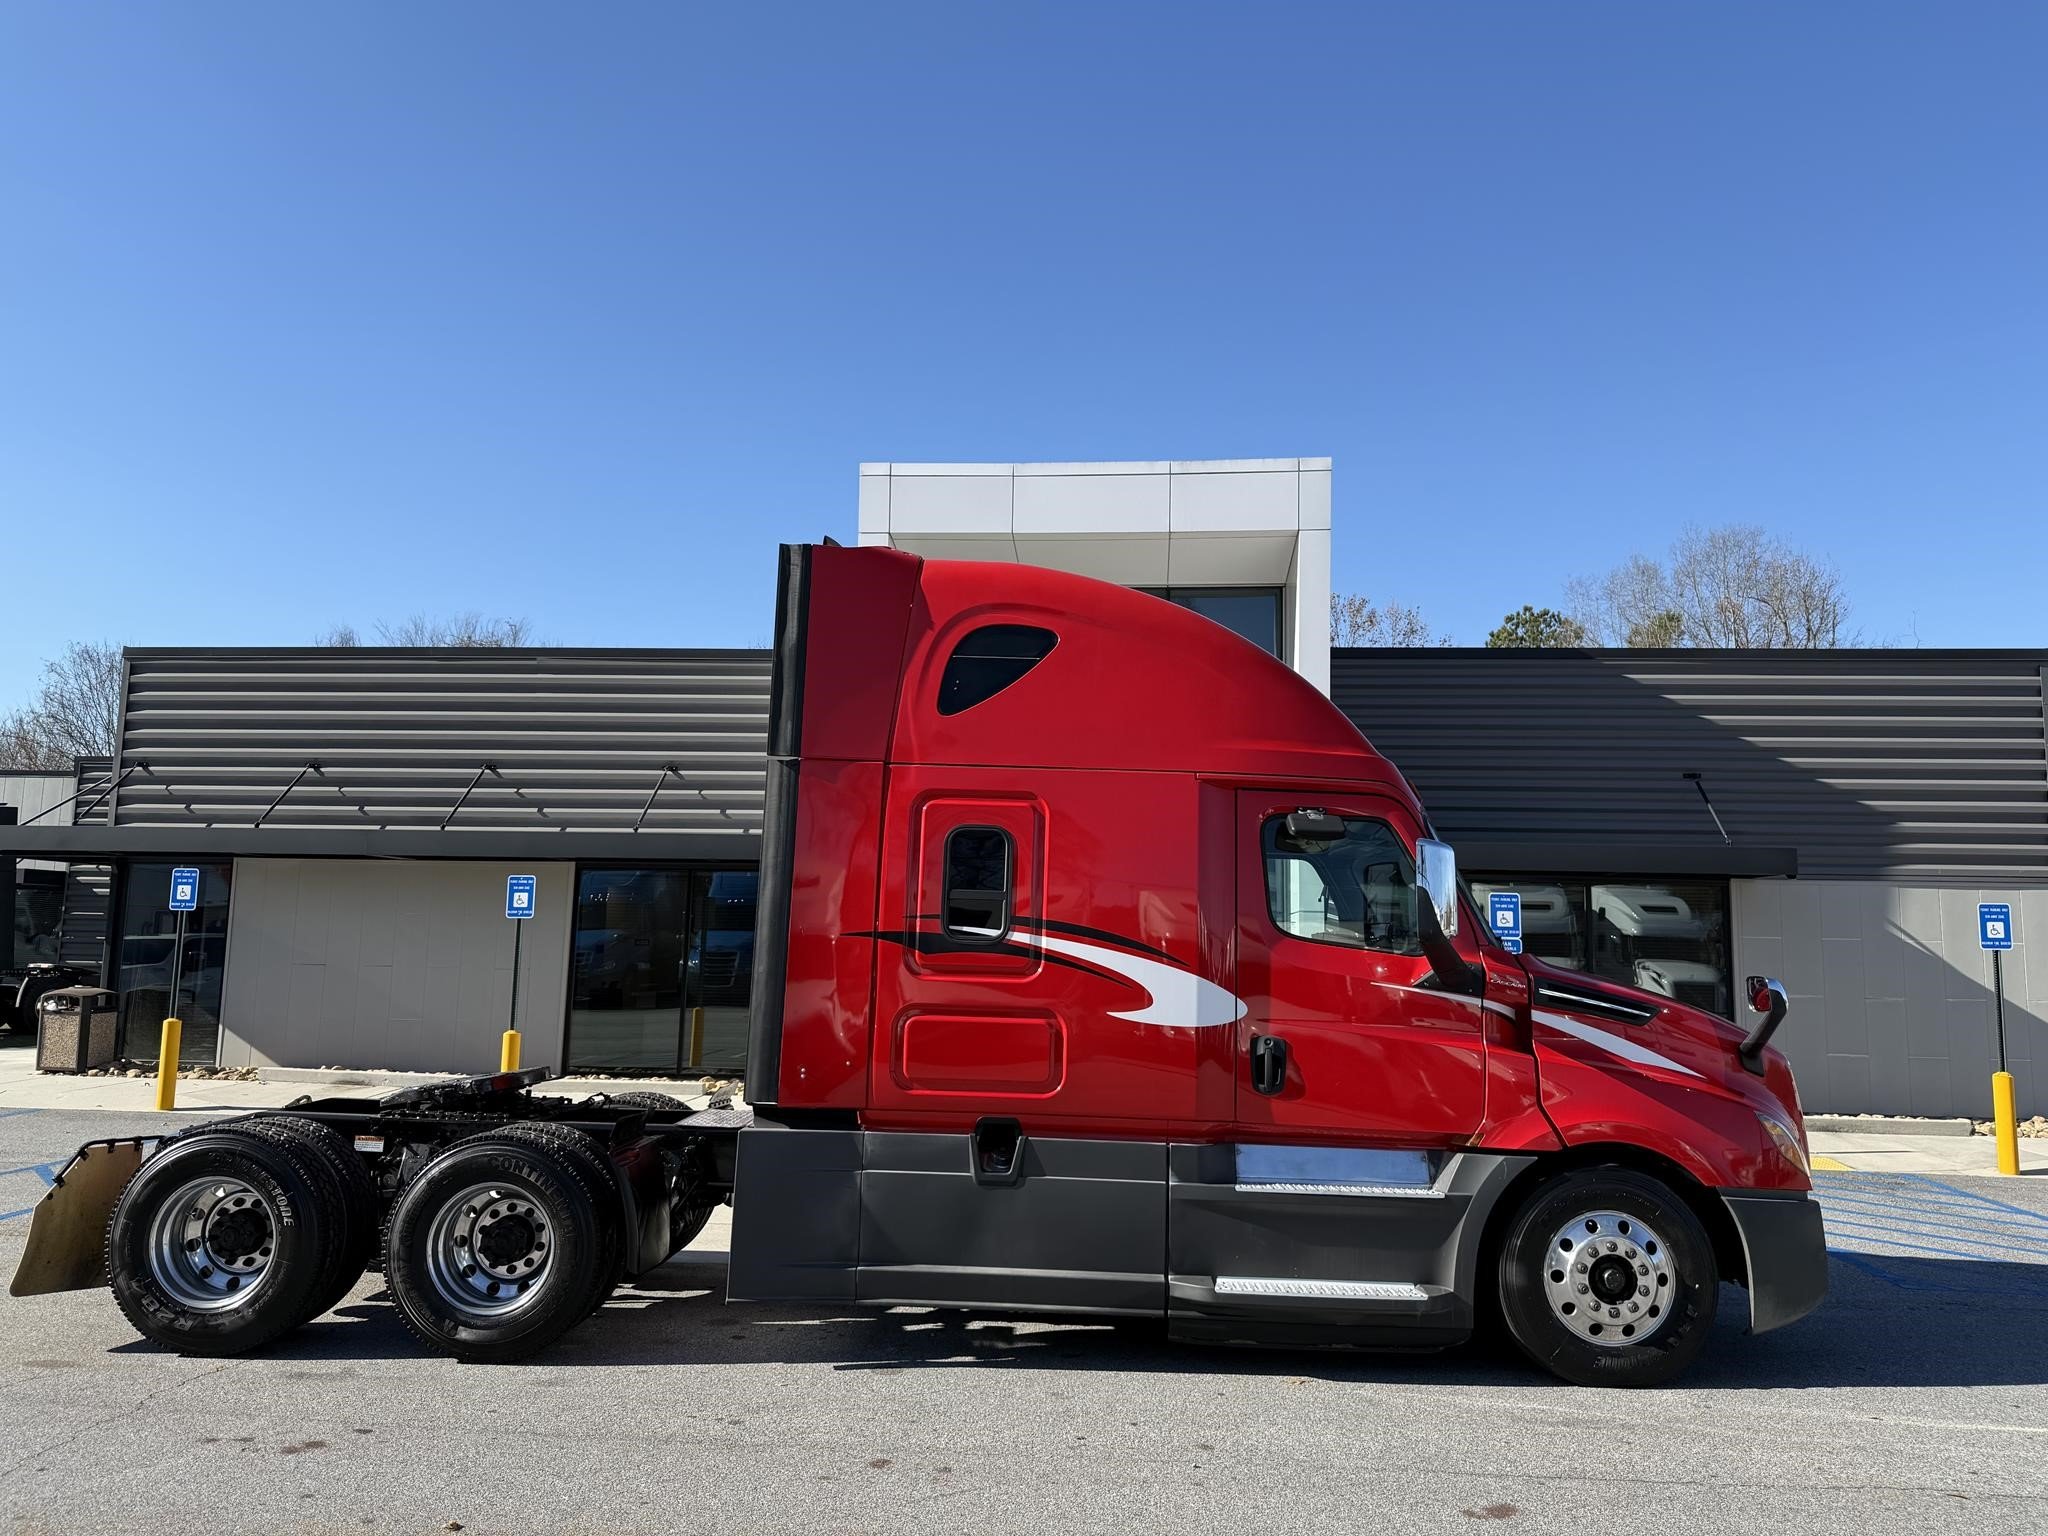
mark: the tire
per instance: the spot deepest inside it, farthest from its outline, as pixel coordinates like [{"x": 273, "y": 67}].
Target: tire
[
  {"x": 603, "y": 1179},
  {"x": 688, "y": 1216},
  {"x": 528, "y": 1285},
  {"x": 1607, "y": 1279},
  {"x": 645, "y": 1099},
  {"x": 224, "y": 1241},
  {"x": 362, "y": 1205}
]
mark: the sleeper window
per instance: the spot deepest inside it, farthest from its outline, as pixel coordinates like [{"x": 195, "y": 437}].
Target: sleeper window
[
  {"x": 980, "y": 874},
  {"x": 1357, "y": 890},
  {"x": 988, "y": 660}
]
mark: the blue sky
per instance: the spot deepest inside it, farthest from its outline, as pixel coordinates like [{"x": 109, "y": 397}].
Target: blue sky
[{"x": 319, "y": 313}]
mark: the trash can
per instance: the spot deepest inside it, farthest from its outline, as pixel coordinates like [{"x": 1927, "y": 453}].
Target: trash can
[{"x": 77, "y": 1029}]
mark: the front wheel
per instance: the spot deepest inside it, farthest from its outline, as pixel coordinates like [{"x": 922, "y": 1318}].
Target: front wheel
[{"x": 1607, "y": 1279}]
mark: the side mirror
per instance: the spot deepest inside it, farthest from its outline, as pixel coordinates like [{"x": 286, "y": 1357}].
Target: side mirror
[
  {"x": 1436, "y": 889},
  {"x": 1436, "y": 877},
  {"x": 1767, "y": 997}
]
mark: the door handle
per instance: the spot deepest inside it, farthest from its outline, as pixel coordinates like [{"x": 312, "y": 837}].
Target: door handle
[{"x": 1269, "y": 1064}]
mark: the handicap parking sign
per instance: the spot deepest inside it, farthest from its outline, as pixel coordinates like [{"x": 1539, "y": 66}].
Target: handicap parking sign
[
  {"x": 184, "y": 890},
  {"x": 1994, "y": 925},
  {"x": 1504, "y": 916},
  {"x": 519, "y": 890}
]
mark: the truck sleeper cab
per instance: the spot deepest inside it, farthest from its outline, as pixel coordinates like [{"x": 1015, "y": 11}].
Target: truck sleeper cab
[
  {"x": 1101, "y": 966},
  {"x": 1105, "y": 967}
]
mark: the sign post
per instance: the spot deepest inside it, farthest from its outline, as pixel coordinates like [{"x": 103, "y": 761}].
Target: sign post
[
  {"x": 1994, "y": 932},
  {"x": 521, "y": 892},
  {"x": 184, "y": 898},
  {"x": 1504, "y": 917}
]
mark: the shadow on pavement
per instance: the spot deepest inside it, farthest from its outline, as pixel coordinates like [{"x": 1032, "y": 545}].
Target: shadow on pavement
[{"x": 1888, "y": 1322}]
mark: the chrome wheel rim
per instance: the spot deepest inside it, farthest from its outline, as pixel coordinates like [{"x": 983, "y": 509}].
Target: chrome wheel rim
[
  {"x": 490, "y": 1249},
  {"x": 1609, "y": 1278},
  {"x": 211, "y": 1244}
]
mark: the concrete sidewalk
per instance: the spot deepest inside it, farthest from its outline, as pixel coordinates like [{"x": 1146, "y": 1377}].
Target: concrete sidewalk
[{"x": 1846, "y": 1152}]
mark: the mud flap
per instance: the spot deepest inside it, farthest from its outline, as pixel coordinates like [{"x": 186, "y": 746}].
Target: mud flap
[{"x": 67, "y": 1236}]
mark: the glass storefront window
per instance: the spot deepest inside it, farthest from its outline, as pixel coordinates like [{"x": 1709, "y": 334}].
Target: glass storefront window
[
  {"x": 145, "y": 945},
  {"x": 721, "y": 971},
  {"x": 1665, "y": 936},
  {"x": 38, "y": 914},
  {"x": 626, "y": 970},
  {"x": 661, "y": 971},
  {"x": 1253, "y": 612}
]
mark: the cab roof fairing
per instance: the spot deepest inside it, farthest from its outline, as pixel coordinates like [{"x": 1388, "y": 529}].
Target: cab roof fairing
[{"x": 1134, "y": 683}]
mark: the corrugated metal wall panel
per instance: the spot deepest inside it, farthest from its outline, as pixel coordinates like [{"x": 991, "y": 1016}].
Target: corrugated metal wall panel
[
  {"x": 1922, "y": 764},
  {"x": 88, "y": 888},
  {"x": 579, "y": 739}
]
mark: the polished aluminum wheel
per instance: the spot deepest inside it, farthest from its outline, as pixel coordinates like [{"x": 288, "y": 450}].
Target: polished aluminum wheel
[
  {"x": 211, "y": 1243},
  {"x": 1609, "y": 1278},
  {"x": 489, "y": 1249}
]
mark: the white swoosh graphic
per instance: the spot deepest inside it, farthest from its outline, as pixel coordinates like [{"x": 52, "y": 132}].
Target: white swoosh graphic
[
  {"x": 1180, "y": 998},
  {"x": 1616, "y": 1045}
]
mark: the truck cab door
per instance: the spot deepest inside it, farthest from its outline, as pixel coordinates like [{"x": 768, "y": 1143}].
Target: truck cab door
[{"x": 1348, "y": 1036}]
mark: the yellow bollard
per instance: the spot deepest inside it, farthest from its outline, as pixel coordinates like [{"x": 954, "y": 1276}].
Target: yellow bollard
[
  {"x": 2006, "y": 1122},
  {"x": 508, "y": 1052},
  {"x": 167, "y": 1064}
]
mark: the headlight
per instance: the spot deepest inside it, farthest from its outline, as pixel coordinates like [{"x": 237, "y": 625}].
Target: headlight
[{"x": 1787, "y": 1141}]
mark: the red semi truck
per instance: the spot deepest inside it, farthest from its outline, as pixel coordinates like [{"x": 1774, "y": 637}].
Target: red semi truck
[{"x": 1102, "y": 967}]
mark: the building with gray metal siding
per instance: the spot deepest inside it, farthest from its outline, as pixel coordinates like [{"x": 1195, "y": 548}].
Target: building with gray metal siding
[
  {"x": 1870, "y": 798},
  {"x": 356, "y": 811}
]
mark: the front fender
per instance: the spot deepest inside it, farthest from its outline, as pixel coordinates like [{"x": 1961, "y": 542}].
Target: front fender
[{"x": 1713, "y": 1134}]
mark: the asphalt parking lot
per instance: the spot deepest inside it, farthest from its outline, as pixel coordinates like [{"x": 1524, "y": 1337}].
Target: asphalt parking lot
[{"x": 1916, "y": 1400}]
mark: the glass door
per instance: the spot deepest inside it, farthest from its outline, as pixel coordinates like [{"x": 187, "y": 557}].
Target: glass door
[
  {"x": 721, "y": 972},
  {"x": 626, "y": 971},
  {"x": 144, "y": 947}
]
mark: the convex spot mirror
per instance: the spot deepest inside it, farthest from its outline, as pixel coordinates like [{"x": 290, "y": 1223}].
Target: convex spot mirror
[{"x": 1314, "y": 830}]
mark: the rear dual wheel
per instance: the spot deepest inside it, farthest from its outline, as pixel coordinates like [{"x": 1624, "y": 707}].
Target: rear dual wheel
[
  {"x": 504, "y": 1242},
  {"x": 232, "y": 1235}
]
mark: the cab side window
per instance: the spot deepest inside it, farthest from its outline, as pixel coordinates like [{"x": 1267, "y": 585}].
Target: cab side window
[
  {"x": 981, "y": 865},
  {"x": 1357, "y": 891}
]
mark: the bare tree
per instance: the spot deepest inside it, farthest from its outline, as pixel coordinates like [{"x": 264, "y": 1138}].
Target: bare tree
[
  {"x": 465, "y": 631},
  {"x": 1358, "y": 620},
  {"x": 75, "y": 713},
  {"x": 1734, "y": 586}
]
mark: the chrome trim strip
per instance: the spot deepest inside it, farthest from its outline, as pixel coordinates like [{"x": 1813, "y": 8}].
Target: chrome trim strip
[
  {"x": 1281, "y": 1163},
  {"x": 1328, "y": 1290},
  {"x": 1374, "y": 1191}
]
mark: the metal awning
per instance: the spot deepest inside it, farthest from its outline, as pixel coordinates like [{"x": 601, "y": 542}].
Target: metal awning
[
  {"x": 97, "y": 845},
  {"x": 1576, "y": 856}
]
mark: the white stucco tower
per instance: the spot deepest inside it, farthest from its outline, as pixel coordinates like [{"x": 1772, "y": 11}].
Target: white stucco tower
[{"x": 1245, "y": 541}]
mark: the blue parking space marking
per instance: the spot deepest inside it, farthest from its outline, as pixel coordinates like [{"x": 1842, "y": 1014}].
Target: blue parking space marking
[
  {"x": 25, "y": 1183},
  {"x": 1988, "y": 1245}
]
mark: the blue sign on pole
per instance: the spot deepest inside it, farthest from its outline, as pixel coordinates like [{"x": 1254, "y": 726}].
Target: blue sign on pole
[
  {"x": 184, "y": 890},
  {"x": 1994, "y": 925},
  {"x": 1504, "y": 916},
  {"x": 519, "y": 895}
]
